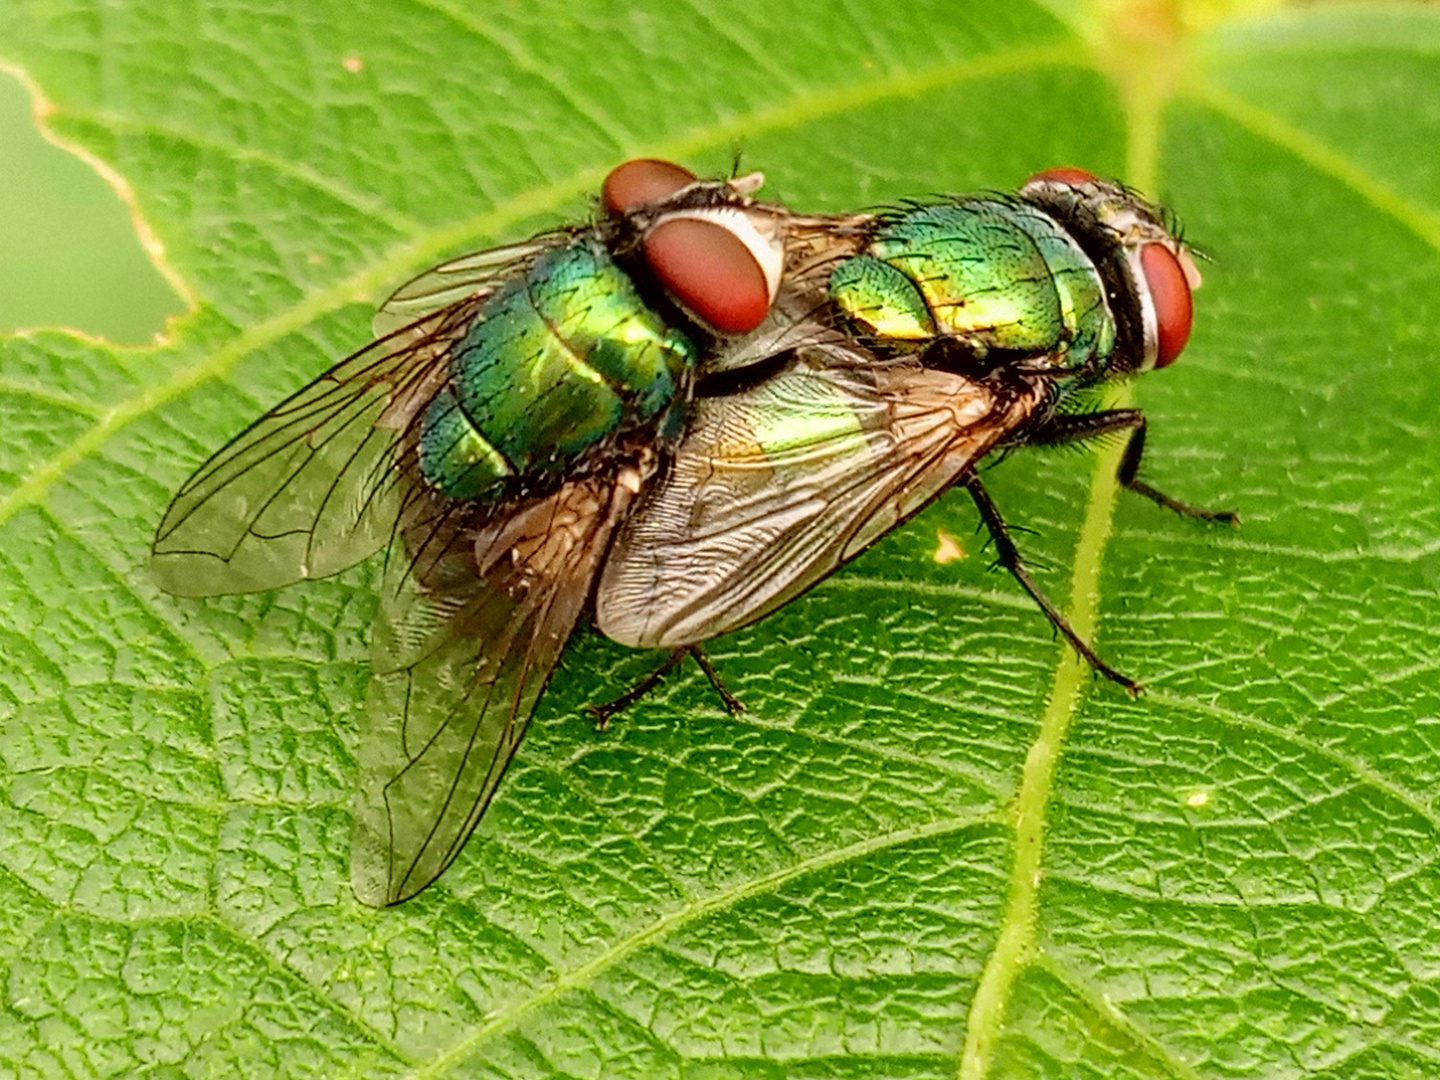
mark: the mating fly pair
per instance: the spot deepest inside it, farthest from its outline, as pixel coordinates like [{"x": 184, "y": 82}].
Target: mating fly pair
[{"x": 673, "y": 420}]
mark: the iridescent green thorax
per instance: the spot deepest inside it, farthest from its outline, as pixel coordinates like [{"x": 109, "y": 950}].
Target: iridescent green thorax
[
  {"x": 558, "y": 359},
  {"x": 994, "y": 274}
]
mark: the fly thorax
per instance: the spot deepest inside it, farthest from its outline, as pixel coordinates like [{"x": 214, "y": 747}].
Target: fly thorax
[
  {"x": 989, "y": 274},
  {"x": 558, "y": 360}
]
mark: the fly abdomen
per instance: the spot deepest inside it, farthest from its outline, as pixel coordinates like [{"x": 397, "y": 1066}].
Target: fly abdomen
[
  {"x": 558, "y": 359},
  {"x": 453, "y": 455}
]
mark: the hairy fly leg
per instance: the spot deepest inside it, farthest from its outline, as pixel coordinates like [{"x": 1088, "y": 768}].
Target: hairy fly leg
[
  {"x": 1078, "y": 427},
  {"x": 1008, "y": 556}
]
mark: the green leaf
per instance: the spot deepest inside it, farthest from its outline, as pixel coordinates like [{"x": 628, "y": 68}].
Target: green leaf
[{"x": 933, "y": 846}]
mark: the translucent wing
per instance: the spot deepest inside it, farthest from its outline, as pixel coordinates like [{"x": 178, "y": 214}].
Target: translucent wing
[
  {"x": 469, "y": 276},
  {"x": 779, "y": 483},
  {"x": 473, "y": 621},
  {"x": 311, "y": 487}
]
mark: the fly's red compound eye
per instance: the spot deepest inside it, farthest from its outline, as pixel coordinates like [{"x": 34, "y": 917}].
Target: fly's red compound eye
[
  {"x": 1170, "y": 295},
  {"x": 710, "y": 269},
  {"x": 1064, "y": 174},
  {"x": 641, "y": 181}
]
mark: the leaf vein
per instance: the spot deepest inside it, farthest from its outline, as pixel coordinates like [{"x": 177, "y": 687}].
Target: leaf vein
[
  {"x": 1420, "y": 806},
  {"x": 362, "y": 202},
  {"x": 527, "y": 62},
  {"x": 509, "y": 1018},
  {"x": 1321, "y": 156}
]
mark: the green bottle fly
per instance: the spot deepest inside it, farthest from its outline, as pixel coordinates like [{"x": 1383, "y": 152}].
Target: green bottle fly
[{"x": 674, "y": 419}]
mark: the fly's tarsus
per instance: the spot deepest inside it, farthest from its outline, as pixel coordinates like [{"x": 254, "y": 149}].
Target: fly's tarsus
[
  {"x": 1129, "y": 478},
  {"x": 732, "y": 704},
  {"x": 1224, "y": 517}
]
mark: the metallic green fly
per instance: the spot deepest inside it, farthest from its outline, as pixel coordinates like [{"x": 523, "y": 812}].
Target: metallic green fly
[{"x": 673, "y": 419}]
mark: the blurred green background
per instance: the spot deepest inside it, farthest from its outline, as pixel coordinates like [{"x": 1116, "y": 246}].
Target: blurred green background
[{"x": 69, "y": 254}]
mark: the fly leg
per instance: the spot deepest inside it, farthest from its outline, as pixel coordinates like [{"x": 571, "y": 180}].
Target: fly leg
[
  {"x": 1081, "y": 426},
  {"x": 603, "y": 713},
  {"x": 1008, "y": 556}
]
